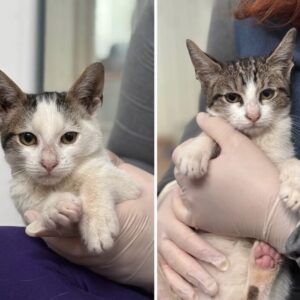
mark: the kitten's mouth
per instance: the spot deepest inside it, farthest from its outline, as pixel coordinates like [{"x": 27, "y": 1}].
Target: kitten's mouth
[
  {"x": 49, "y": 179},
  {"x": 252, "y": 129}
]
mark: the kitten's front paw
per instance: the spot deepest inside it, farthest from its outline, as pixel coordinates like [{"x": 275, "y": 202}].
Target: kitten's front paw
[
  {"x": 63, "y": 212},
  {"x": 98, "y": 232},
  {"x": 191, "y": 160},
  {"x": 290, "y": 185}
]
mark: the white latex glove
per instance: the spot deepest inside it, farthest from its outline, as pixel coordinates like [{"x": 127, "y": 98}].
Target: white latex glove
[
  {"x": 238, "y": 196},
  {"x": 130, "y": 260},
  {"x": 181, "y": 251}
]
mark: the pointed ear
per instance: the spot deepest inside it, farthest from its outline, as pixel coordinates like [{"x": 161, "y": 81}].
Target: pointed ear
[
  {"x": 11, "y": 96},
  {"x": 281, "y": 58},
  {"x": 87, "y": 89},
  {"x": 206, "y": 67}
]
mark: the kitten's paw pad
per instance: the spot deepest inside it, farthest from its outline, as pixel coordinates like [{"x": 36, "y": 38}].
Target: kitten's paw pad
[
  {"x": 191, "y": 162},
  {"x": 265, "y": 257},
  {"x": 64, "y": 213},
  {"x": 98, "y": 233}
]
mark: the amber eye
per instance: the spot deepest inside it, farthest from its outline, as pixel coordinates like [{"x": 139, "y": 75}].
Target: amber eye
[
  {"x": 267, "y": 94},
  {"x": 233, "y": 97},
  {"x": 69, "y": 137},
  {"x": 27, "y": 139}
]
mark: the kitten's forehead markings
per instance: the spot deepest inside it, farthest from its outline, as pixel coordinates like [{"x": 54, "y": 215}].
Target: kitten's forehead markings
[
  {"x": 241, "y": 72},
  {"x": 250, "y": 96},
  {"x": 47, "y": 119}
]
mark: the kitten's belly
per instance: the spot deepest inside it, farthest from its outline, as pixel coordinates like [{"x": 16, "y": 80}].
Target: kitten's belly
[{"x": 232, "y": 283}]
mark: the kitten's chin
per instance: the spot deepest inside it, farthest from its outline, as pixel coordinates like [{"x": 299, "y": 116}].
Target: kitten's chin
[
  {"x": 253, "y": 130},
  {"x": 48, "y": 180}
]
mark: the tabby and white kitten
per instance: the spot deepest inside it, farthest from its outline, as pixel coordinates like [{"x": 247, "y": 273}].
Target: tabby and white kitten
[
  {"x": 253, "y": 94},
  {"x": 53, "y": 144}
]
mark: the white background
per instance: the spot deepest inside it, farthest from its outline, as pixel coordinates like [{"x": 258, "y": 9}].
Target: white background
[
  {"x": 177, "y": 89},
  {"x": 18, "y": 32}
]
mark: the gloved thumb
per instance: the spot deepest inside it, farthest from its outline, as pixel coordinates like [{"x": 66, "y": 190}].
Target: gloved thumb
[
  {"x": 36, "y": 227},
  {"x": 215, "y": 127}
]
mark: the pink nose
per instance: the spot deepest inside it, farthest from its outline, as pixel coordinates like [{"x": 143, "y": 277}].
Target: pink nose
[
  {"x": 253, "y": 117},
  {"x": 49, "y": 165}
]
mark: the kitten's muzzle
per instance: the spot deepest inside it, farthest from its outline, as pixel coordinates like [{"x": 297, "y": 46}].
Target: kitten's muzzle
[
  {"x": 49, "y": 165},
  {"x": 49, "y": 159}
]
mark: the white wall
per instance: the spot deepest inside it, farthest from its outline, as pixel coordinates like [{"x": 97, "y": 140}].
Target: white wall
[
  {"x": 18, "y": 53},
  {"x": 177, "y": 89}
]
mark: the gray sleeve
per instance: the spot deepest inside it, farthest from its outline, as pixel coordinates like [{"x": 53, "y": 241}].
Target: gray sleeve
[
  {"x": 132, "y": 137},
  {"x": 220, "y": 45}
]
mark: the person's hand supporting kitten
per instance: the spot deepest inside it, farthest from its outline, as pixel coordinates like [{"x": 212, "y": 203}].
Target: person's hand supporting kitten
[
  {"x": 237, "y": 198},
  {"x": 130, "y": 260}
]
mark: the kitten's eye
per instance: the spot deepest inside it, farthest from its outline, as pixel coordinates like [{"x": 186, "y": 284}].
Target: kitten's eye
[
  {"x": 233, "y": 97},
  {"x": 267, "y": 94},
  {"x": 69, "y": 137},
  {"x": 27, "y": 139}
]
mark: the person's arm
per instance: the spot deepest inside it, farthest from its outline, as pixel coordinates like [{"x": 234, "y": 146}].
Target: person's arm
[
  {"x": 220, "y": 45},
  {"x": 132, "y": 137}
]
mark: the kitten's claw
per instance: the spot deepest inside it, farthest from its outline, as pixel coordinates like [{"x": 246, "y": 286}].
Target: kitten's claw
[
  {"x": 290, "y": 185},
  {"x": 191, "y": 161},
  {"x": 98, "y": 232}
]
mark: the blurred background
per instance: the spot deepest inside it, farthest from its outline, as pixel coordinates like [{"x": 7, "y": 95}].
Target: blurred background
[
  {"x": 177, "y": 89},
  {"x": 46, "y": 44}
]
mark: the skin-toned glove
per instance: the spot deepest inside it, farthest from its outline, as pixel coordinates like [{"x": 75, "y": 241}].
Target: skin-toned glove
[
  {"x": 181, "y": 251},
  {"x": 130, "y": 260},
  {"x": 238, "y": 196}
]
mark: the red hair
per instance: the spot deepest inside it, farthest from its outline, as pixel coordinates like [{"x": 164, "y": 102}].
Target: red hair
[{"x": 286, "y": 12}]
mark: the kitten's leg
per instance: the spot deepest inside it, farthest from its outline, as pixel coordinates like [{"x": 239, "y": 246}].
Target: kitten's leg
[
  {"x": 290, "y": 184},
  {"x": 99, "y": 223},
  {"x": 191, "y": 157},
  {"x": 61, "y": 212},
  {"x": 263, "y": 267}
]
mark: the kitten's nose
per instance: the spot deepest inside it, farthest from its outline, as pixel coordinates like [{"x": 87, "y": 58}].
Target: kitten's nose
[
  {"x": 49, "y": 164},
  {"x": 253, "y": 117}
]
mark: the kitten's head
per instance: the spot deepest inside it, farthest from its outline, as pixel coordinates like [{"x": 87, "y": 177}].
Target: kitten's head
[
  {"x": 251, "y": 93},
  {"x": 45, "y": 136}
]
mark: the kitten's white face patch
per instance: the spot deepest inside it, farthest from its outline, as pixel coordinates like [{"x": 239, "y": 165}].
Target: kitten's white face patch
[
  {"x": 48, "y": 121},
  {"x": 252, "y": 115},
  {"x": 49, "y": 124}
]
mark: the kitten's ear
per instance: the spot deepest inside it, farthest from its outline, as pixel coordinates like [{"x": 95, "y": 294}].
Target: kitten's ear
[
  {"x": 87, "y": 90},
  {"x": 281, "y": 57},
  {"x": 206, "y": 67},
  {"x": 11, "y": 96}
]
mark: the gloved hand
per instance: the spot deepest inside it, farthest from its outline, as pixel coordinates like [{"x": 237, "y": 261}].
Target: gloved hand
[
  {"x": 180, "y": 252},
  {"x": 238, "y": 196},
  {"x": 130, "y": 260}
]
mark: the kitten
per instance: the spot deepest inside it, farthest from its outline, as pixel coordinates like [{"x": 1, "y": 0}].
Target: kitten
[
  {"x": 253, "y": 94},
  {"x": 60, "y": 168}
]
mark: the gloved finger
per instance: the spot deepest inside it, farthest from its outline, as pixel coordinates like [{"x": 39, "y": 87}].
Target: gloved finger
[
  {"x": 116, "y": 160},
  {"x": 217, "y": 128},
  {"x": 189, "y": 241},
  {"x": 182, "y": 211},
  {"x": 177, "y": 284},
  {"x": 38, "y": 228},
  {"x": 187, "y": 267}
]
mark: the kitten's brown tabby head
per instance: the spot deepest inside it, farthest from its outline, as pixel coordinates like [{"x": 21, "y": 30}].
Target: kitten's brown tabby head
[{"x": 251, "y": 93}]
